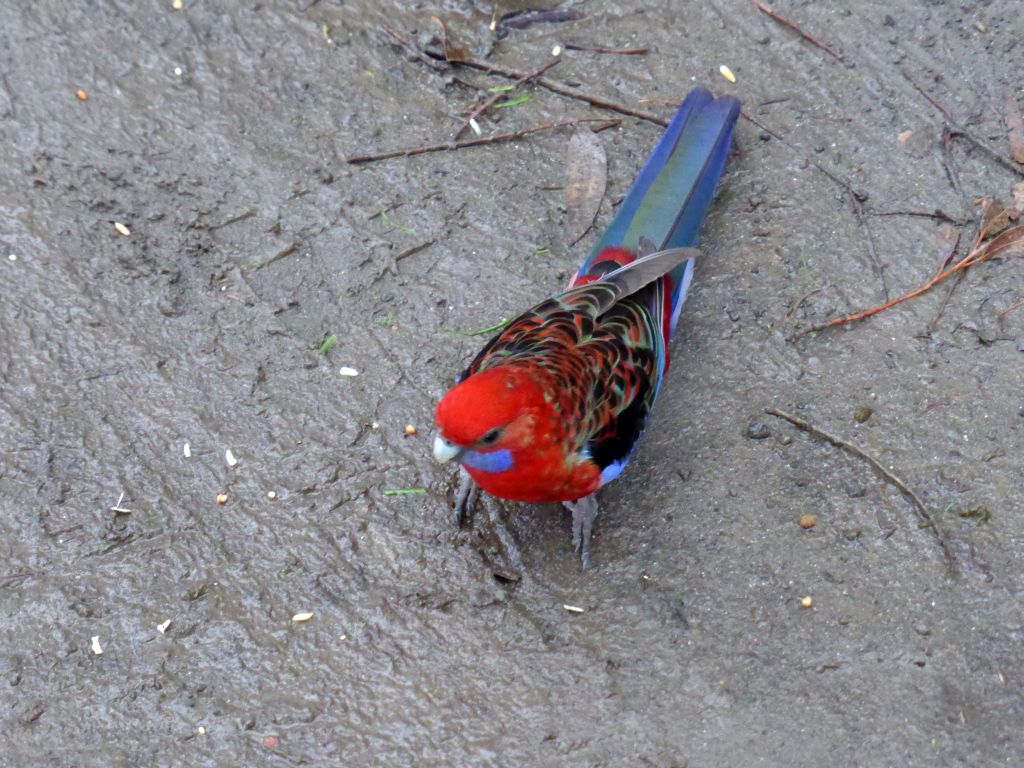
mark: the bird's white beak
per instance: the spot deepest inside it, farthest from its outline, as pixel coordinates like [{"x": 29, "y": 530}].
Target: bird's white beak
[{"x": 445, "y": 451}]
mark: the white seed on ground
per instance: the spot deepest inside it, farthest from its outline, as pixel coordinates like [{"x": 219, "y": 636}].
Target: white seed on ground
[
  {"x": 229, "y": 457},
  {"x": 96, "y": 647},
  {"x": 346, "y": 371},
  {"x": 122, "y": 229},
  {"x": 304, "y": 616},
  {"x": 727, "y": 73}
]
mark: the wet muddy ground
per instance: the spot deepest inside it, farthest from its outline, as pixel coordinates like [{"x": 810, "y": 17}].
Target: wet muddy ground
[{"x": 218, "y": 134}]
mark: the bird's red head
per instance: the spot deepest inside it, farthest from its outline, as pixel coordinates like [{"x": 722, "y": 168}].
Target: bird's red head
[
  {"x": 503, "y": 426},
  {"x": 497, "y": 407}
]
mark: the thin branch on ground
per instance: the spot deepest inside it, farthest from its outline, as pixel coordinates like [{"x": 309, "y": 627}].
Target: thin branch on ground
[
  {"x": 1009, "y": 241},
  {"x": 954, "y": 246},
  {"x": 439, "y": 65},
  {"x": 957, "y": 129},
  {"x": 554, "y": 86},
  {"x": 876, "y": 265},
  {"x": 801, "y": 300},
  {"x": 413, "y": 250},
  {"x": 769, "y": 11},
  {"x": 937, "y": 215},
  {"x": 919, "y": 508},
  {"x": 494, "y": 139},
  {"x": 601, "y": 49},
  {"x": 1009, "y": 309},
  {"x": 856, "y": 196},
  {"x": 502, "y": 94}
]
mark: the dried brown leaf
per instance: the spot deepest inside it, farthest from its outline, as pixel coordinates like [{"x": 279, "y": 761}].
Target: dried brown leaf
[
  {"x": 586, "y": 178},
  {"x": 1014, "y": 128},
  {"x": 995, "y": 217},
  {"x": 453, "y": 51},
  {"x": 1010, "y": 242}
]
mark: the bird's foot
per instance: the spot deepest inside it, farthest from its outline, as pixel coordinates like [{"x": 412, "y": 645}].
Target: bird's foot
[
  {"x": 465, "y": 497},
  {"x": 583, "y": 513}
]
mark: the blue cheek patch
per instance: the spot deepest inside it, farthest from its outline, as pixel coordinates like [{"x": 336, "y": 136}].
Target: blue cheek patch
[{"x": 490, "y": 461}]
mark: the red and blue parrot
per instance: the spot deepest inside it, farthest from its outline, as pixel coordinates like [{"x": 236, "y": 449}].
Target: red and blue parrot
[{"x": 553, "y": 407}]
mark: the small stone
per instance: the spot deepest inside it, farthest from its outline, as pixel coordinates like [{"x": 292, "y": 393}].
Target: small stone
[
  {"x": 862, "y": 414},
  {"x": 758, "y": 430},
  {"x": 922, "y": 629},
  {"x": 222, "y": 498},
  {"x": 807, "y": 602},
  {"x": 271, "y": 495},
  {"x": 410, "y": 429},
  {"x": 807, "y": 521}
]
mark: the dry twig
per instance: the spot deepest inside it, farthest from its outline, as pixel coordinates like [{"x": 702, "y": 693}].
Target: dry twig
[
  {"x": 555, "y": 86},
  {"x": 600, "y": 49},
  {"x": 959, "y": 130},
  {"x": 769, "y": 11},
  {"x": 1007, "y": 242},
  {"x": 494, "y": 139},
  {"x": 919, "y": 508},
  {"x": 502, "y": 94}
]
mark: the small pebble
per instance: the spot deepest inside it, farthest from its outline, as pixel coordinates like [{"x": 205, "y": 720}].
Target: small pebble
[
  {"x": 229, "y": 457},
  {"x": 96, "y": 647},
  {"x": 82, "y": 95},
  {"x": 222, "y": 498},
  {"x": 12, "y": 256},
  {"x": 758, "y": 430},
  {"x": 187, "y": 450},
  {"x": 922, "y": 629},
  {"x": 346, "y": 371},
  {"x": 807, "y": 521},
  {"x": 271, "y": 495},
  {"x": 410, "y": 429},
  {"x": 806, "y": 602},
  {"x": 862, "y": 414}
]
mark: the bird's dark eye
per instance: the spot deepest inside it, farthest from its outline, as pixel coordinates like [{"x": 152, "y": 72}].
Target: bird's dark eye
[{"x": 490, "y": 437}]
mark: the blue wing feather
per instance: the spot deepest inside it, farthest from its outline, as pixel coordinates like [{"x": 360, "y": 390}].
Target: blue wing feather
[{"x": 670, "y": 196}]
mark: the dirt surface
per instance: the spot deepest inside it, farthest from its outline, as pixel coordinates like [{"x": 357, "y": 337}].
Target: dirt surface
[{"x": 217, "y": 135}]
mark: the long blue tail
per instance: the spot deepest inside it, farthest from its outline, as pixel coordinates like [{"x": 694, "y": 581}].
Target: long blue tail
[{"x": 670, "y": 197}]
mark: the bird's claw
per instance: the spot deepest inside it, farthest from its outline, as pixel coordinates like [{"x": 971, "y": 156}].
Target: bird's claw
[
  {"x": 465, "y": 497},
  {"x": 583, "y": 513}
]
